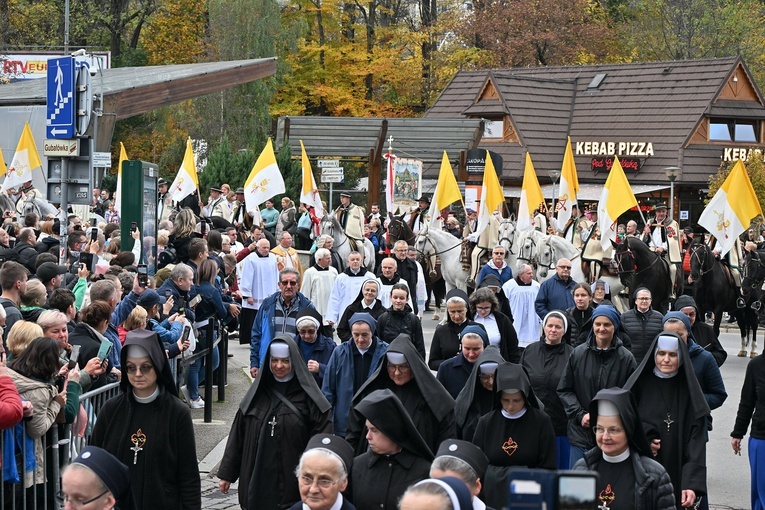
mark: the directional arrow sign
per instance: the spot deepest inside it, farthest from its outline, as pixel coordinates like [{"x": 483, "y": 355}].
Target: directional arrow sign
[{"x": 60, "y": 107}]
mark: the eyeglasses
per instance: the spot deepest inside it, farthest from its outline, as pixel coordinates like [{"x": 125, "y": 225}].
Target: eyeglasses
[
  {"x": 145, "y": 368},
  {"x": 612, "y": 431},
  {"x": 306, "y": 331},
  {"x": 483, "y": 308},
  {"x": 564, "y": 267},
  {"x": 487, "y": 377},
  {"x": 324, "y": 483},
  {"x": 643, "y": 299},
  {"x": 402, "y": 368},
  {"x": 75, "y": 503},
  {"x": 289, "y": 283}
]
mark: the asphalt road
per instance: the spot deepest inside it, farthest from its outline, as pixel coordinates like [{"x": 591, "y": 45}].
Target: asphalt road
[{"x": 727, "y": 474}]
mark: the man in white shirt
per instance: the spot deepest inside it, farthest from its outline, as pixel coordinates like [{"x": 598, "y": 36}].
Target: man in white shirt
[
  {"x": 521, "y": 292},
  {"x": 318, "y": 281},
  {"x": 258, "y": 281}
]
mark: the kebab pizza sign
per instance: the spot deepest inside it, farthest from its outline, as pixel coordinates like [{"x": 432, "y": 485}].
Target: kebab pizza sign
[{"x": 644, "y": 149}]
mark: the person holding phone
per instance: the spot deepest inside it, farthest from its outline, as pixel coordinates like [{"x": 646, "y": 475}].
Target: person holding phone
[{"x": 89, "y": 335}]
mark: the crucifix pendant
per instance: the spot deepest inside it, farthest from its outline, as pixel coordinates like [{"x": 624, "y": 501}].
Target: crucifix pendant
[
  {"x": 138, "y": 439},
  {"x": 603, "y": 506},
  {"x": 273, "y": 424},
  {"x": 669, "y": 421},
  {"x": 136, "y": 449}
]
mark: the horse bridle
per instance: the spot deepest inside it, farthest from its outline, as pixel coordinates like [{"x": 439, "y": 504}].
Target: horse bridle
[
  {"x": 510, "y": 241},
  {"x": 533, "y": 245},
  {"x": 633, "y": 269},
  {"x": 397, "y": 235},
  {"x": 427, "y": 238},
  {"x": 754, "y": 259},
  {"x": 695, "y": 254},
  {"x": 331, "y": 228}
]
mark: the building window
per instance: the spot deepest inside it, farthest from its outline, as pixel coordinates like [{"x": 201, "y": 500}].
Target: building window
[
  {"x": 493, "y": 129},
  {"x": 731, "y": 130}
]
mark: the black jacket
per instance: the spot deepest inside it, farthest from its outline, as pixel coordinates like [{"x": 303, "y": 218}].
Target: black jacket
[
  {"x": 392, "y": 323},
  {"x": 379, "y": 481},
  {"x": 577, "y": 320},
  {"x": 27, "y": 255},
  {"x": 653, "y": 487},
  {"x": 703, "y": 333},
  {"x": 642, "y": 328},
  {"x": 544, "y": 364},
  {"x": 589, "y": 370},
  {"x": 446, "y": 341}
]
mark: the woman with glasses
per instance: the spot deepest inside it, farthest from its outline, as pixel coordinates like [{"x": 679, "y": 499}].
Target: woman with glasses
[
  {"x": 429, "y": 405},
  {"x": 477, "y": 397},
  {"x": 628, "y": 477},
  {"x": 545, "y": 361},
  {"x": 281, "y": 411},
  {"x": 516, "y": 433},
  {"x": 149, "y": 429},
  {"x": 485, "y": 307},
  {"x": 96, "y": 479}
]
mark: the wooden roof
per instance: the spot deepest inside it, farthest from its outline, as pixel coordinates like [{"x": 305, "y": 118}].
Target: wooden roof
[{"x": 659, "y": 102}]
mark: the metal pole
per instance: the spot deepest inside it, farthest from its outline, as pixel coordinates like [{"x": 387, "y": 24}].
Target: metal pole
[
  {"x": 64, "y": 206},
  {"x": 671, "y": 199},
  {"x": 66, "y": 27},
  {"x": 329, "y": 205}
]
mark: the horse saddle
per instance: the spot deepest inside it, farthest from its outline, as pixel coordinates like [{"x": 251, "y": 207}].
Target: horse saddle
[
  {"x": 728, "y": 272},
  {"x": 465, "y": 251}
]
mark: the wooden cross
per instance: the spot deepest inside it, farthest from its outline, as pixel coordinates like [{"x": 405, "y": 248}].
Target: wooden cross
[{"x": 273, "y": 424}]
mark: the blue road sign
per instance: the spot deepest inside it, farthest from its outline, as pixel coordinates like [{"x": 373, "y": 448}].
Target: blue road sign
[{"x": 61, "y": 98}]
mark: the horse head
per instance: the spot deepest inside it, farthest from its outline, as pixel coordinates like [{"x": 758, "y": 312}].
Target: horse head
[
  {"x": 398, "y": 229},
  {"x": 702, "y": 260},
  {"x": 753, "y": 274},
  {"x": 507, "y": 235},
  {"x": 625, "y": 260},
  {"x": 545, "y": 256},
  {"x": 527, "y": 247}
]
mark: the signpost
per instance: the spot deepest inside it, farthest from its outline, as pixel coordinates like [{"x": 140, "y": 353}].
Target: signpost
[
  {"x": 102, "y": 159},
  {"x": 60, "y": 92},
  {"x": 331, "y": 172}
]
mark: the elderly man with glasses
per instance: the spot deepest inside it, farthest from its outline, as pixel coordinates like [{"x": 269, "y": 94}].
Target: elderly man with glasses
[
  {"x": 642, "y": 323},
  {"x": 556, "y": 292}
]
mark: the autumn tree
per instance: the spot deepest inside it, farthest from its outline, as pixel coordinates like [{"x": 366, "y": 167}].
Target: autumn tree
[{"x": 175, "y": 33}]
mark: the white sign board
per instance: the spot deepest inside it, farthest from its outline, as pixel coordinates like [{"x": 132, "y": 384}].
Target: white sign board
[
  {"x": 683, "y": 215},
  {"x": 333, "y": 171},
  {"x": 331, "y": 178},
  {"x": 328, "y": 163},
  {"x": 102, "y": 159},
  {"x": 66, "y": 148}
]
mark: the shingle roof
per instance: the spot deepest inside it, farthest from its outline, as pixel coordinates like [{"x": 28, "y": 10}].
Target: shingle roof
[{"x": 658, "y": 102}]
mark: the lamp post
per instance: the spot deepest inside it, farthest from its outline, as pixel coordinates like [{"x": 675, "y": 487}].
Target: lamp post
[
  {"x": 672, "y": 173},
  {"x": 554, "y": 174}
]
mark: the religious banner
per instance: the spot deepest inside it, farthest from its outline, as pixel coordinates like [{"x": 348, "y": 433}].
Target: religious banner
[{"x": 407, "y": 175}]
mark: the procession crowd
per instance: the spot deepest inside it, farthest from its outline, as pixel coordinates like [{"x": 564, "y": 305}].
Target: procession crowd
[{"x": 347, "y": 408}]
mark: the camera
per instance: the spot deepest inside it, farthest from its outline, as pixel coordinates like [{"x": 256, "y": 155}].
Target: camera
[{"x": 543, "y": 489}]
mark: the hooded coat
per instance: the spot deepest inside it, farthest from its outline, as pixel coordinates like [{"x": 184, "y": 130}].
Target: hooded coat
[
  {"x": 474, "y": 400},
  {"x": 271, "y": 429},
  {"x": 164, "y": 472},
  {"x": 703, "y": 333},
  {"x": 527, "y": 441},
  {"x": 429, "y": 405},
  {"x": 651, "y": 483},
  {"x": 589, "y": 370},
  {"x": 674, "y": 411}
]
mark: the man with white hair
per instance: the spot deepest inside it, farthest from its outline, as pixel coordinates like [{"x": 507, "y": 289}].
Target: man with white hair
[
  {"x": 318, "y": 280},
  {"x": 258, "y": 281},
  {"x": 346, "y": 287},
  {"x": 521, "y": 292}
]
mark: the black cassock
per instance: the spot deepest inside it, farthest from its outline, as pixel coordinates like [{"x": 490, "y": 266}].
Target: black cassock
[
  {"x": 674, "y": 410},
  {"x": 474, "y": 400},
  {"x": 270, "y": 432}
]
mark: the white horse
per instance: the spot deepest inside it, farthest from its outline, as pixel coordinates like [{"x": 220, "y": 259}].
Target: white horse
[
  {"x": 342, "y": 246},
  {"x": 508, "y": 239},
  {"x": 527, "y": 246},
  {"x": 553, "y": 248},
  {"x": 432, "y": 243}
]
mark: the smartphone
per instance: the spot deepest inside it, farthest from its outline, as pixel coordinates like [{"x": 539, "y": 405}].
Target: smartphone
[
  {"x": 143, "y": 276},
  {"x": 104, "y": 350},
  {"x": 133, "y": 226},
  {"x": 86, "y": 260},
  {"x": 195, "y": 301},
  {"x": 73, "y": 356},
  {"x": 94, "y": 234},
  {"x": 185, "y": 334},
  {"x": 93, "y": 222},
  {"x": 168, "y": 293}
]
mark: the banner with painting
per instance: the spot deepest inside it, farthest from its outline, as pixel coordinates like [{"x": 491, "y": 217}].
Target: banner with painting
[{"x": 407, "y": 174}]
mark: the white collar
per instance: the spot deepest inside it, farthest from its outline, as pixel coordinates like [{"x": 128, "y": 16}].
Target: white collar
[
  {"x": 478, "y": 504},
  {"x": 336, "y": 506},
  {"x": 615, "y": 459},
  {"x": 147, "y": 400},
  {"x": 661, "y": 375},
  {"x": 514, "y": 416}
]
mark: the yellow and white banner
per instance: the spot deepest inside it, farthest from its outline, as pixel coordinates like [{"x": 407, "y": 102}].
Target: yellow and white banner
[
  {"x": 265, "y": 180},
  {"x": 186, "y": 181},
  {"x": 531, "y": 196},
  {"x": 615, "y": 199},
  {"x": 24, "y": 160}
]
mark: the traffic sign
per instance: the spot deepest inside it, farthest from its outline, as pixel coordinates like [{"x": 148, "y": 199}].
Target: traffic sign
[
  {"x": 332, "y": 171},
  {"x": 69, "y": 148},
  {"x": 102, "y": 159},
  {"x": 327, "y": 163},
  {"x": 60, "y": 98},
  {"x": 331, "y": 178}
]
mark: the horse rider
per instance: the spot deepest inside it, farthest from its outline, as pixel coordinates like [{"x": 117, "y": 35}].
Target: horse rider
[
  {"x": 217, "y": 205},
  {"x": 240, "y": 217},
  {"x": 540, "y": 220},
  {"x": 572, "y": 230},
  {"x": 484, "y": 241},
  {"x": 28, "y": 192},
  {"x": 592, "y": 251},
  {"x": 351, "y": 218},
  {"x": 419, "y": 216},
  {"x": 662, "y": 235},
  {"x": 164, "y": 200},
  {"x": 732, "y": 259}
]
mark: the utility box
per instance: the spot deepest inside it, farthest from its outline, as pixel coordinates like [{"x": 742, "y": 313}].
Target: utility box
[{"x": 139, "y": 205}]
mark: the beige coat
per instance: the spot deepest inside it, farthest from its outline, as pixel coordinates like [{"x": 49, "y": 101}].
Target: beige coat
[{"x": 41, "y": 396}]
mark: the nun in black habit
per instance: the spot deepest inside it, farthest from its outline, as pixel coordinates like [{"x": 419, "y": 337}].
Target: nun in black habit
[
  {"x": 394, "y": 462},
  {"x": 516, "y": 433},
  {"x": 149, "y": 429},
  {"x": 429, "y": 405},
  {"x": 477, "y": 397},
  {"x": 673, "y": 409},
  {"x": 629, "y": 478},
  {"x": 281, "y": 411}
]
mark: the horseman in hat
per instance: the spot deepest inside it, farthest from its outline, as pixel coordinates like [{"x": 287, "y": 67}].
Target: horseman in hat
[
  {"x": 28, "y": 192},
  {"x": 217, "y": 205},
  {"x": 419, "y": 216},
  {"x": 351, "y": 217},
  {"x": 484, "y": 243},
  {"x": 662, "y": 235},
  {"x": 164, "y": 200},
  {"x": 592, "y": 251}
]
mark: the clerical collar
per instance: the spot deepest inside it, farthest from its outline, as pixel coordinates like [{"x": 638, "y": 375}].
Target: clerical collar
[
  {"x": 336, "y": 506},
  {"x": 262, "y": 256},
  {"x": 661, "y": 375},
  {"x": 365, "y": 306},
  {"x": 615, "y": 459},
  {"x": 286, "y": 378},
  {"x": 390, "y": 281},
  {"x": 147, "y": 400},
  {"x": 319, "y": 268},
  {"x": 514, "y": 416}
]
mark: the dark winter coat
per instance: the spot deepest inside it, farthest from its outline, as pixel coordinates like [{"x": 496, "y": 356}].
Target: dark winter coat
[
  {"x": 642, "y": 328},
  {"x": 545, "y": 364},
  {"x": 446, "y": 341},
  {"x": 554, "y": 294},
  {"x": 703, "y": 333},
  {"x": 393, "y": 323},
  {"x": 577, "y": 320}
]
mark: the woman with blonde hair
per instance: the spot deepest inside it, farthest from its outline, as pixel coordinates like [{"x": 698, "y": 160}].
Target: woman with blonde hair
[
  {"x": 286, "y": 221},
  {"x": 21, "y": 335},
  {"x": 33, "y": 300},
  {"x": 136, "y": 320}
]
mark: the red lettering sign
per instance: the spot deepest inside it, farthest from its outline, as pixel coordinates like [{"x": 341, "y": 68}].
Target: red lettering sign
[{"x": 598, "y": 164}]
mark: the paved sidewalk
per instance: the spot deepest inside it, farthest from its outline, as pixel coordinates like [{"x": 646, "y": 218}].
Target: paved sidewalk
[{"x": 212, "y": 498}]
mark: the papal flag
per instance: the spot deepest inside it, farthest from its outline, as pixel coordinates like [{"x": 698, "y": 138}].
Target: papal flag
[
  {"x": 3, "y": 168},
  {"x": 310, "y": 192},
  {"x": 447, "y": 191},
  {"x": 531, "y": 196},
  {"x": 731, "y": 209},
  {"x": 186, "y": 182},
  {"x": 615, "y": 199},
  {"x": 24, "y": 161},
  {"x": 265, "y": 180},
  {"x": 118, "y": 194},
  {"x": 492, "y": 196},
  {"x": 569, "y": 187}
]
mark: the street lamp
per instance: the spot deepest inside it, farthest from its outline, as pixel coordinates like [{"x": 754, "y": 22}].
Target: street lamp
[
  {"x": 672, "y": 173},
  {"x": 554, "y": 174}
]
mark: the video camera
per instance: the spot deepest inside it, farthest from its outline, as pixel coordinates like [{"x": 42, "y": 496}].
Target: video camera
[{"x": 552, "y": 490}]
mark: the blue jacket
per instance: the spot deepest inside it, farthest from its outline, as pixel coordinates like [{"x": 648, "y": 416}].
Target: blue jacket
[
  {"x": 169, "y": 287},
  {"x": 554, "y": 294},
  {"x": 708, "y": 374},
  {"x": 263, "y": 325},
  {"x": 211, "y": 304},
  {"x": 454, "y": 373},
  {"x": 119, "y": 316},
  {"x": 321, "y": 353},
  {"x": 338, "y": 381},
  {"x": 504, "y": 275}
]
